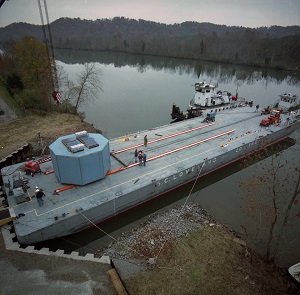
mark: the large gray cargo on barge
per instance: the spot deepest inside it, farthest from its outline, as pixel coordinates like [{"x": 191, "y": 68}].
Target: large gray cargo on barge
[{"x": 176, "y": 154}]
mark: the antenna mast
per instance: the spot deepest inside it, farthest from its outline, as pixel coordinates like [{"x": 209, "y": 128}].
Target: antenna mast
[{"x": 50, "y": 51}]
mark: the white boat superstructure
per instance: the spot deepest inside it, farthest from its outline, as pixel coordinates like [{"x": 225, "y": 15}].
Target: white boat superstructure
[
  {"x": 207, "y": 96},
  {"x": 208, "y": 99},
  {"x": 287, "y": 101}
]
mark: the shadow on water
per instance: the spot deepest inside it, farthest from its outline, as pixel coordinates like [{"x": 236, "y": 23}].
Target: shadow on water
[{"x": 93, "y": 239}]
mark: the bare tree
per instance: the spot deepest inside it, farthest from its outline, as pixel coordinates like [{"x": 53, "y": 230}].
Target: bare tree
[
  {"x": 87, "y": 85},
  {"x": 270, "y": 196}
]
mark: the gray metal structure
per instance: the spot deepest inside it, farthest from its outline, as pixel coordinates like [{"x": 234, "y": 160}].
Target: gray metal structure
[
  {"x": 80, "y": 158},
  {"x": 176, "y": 154}
]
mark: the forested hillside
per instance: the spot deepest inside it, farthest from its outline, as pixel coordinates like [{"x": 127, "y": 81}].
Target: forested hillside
[{"x": 276, "y": 47}]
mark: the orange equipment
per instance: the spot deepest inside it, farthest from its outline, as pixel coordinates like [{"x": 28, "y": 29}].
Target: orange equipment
[{"x": 272, "y": 119}]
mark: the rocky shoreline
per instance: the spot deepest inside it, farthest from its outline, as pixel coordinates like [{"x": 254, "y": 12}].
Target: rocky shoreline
[{"x": 157, "y": 232}]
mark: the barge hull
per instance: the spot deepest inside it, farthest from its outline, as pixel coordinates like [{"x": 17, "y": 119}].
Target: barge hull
[{"x": 172, "y": 162}]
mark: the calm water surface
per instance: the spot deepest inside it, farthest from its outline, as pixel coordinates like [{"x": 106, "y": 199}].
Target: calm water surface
[{"x": 138, "y": 93}]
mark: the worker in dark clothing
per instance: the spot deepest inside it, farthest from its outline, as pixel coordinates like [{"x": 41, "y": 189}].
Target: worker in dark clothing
[
  {"x": 140, "y": 157},
  {"x": 145, "y": 140},
  {"x": 39, "y": 196}
]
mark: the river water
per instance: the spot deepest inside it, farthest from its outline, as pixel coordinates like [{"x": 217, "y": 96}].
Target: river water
[{"x": 138, "y": 93}]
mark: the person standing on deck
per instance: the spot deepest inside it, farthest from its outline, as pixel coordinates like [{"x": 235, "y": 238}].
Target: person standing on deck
[
  {"x": 135, "y": 155},
  {"x": 144, "y": 159},
  {"x": 39, "y": 196},
  {"x": 257, "y": 107},
  {"x": 140, "y": 157},
  {"x": 145, "y": 140}
]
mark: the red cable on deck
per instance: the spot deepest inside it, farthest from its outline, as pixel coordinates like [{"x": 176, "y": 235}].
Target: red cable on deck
[
  {"x": 64, "y": 188},
  {"x": 162, "y": 138},
  {"x": 187, "y": 146},
  {"x": 175, "y": 150}
]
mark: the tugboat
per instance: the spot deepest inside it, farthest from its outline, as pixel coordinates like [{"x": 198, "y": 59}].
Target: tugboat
[
  {"x": 206, "y": 97},
  {"x": 288, "y": 102}
]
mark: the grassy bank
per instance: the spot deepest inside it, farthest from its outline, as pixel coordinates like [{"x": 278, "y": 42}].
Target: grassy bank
[
  {"x": 15, "y": 133},
  {"x": 208, "y": 261}
]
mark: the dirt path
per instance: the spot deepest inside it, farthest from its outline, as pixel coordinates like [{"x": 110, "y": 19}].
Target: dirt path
[{"x": 9, "y": 114}]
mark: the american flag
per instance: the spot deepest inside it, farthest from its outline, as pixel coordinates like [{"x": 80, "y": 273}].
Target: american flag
[{"x": 57, "y": 96}]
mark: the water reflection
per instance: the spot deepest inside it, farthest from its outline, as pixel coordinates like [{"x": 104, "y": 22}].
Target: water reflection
[
  {"x": 224, "y": 73},
  {"x": 139, "y": 91}
]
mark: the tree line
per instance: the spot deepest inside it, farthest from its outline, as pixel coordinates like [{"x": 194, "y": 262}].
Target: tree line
[
  {"x": 271, "y": 47},
  {"x": 33, "y": 80}
]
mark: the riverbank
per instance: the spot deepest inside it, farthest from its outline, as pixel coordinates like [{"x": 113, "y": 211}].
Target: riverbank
[
  {"x": 38, "y": 131},
  {"x": 187, "y": 252}
]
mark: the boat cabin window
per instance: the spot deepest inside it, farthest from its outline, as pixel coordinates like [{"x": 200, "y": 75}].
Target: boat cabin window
[
  {"x": 201, "y": 90},
  {"x": 197, "y": 87}
]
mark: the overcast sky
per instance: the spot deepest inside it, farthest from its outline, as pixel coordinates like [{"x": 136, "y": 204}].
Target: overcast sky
[{"x": 246, "y": 13}]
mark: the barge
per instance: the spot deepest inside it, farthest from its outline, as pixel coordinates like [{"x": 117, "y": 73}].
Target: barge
[{"x": 89, "y": 179}]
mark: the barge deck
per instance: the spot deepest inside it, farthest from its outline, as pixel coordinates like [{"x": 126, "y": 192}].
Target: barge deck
[{"x": 176, "y": 154}]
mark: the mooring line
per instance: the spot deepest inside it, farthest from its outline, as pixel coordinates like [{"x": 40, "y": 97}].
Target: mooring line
[
  {"x": 103, "y": 231},
  {"x": 176, "y": 219}
]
